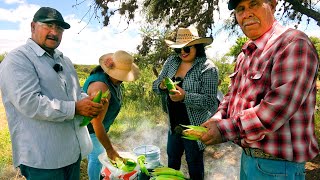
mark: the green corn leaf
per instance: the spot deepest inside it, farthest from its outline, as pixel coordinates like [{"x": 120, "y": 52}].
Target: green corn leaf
[
  {"x": 141, "y": 161},
  {"x": 96, "y": 99}
]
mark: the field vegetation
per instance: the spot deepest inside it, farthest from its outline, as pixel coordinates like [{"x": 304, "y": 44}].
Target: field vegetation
[{"x": 142, "y": 121}]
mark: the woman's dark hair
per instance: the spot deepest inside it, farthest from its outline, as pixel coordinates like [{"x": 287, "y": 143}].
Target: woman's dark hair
[
  {"x": 96, "y": 69},
  {"x": 201, "y": 52}
]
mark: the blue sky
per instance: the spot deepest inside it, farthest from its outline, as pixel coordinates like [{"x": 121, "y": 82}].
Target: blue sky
[
  {"x": 86, "y": 41},
  {"x": 83, "y": 43}
]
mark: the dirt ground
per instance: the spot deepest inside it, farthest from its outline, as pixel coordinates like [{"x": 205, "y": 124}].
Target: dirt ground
[{"x": 313, "y": 168}]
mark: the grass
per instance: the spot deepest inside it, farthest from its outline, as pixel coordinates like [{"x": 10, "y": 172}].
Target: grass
[
  {"x": 144, "y": 123},
  {"x": 5, "y": 143},
  {"x": 129, "y": 125},
  {"x": 5, "y": 149}
]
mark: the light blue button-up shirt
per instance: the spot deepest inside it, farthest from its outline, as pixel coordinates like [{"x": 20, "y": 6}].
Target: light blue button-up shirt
[{"x": 40, "y": 108}]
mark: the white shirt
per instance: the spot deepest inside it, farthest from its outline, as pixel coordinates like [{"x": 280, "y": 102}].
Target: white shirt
[{"x": 40, "y": 108}]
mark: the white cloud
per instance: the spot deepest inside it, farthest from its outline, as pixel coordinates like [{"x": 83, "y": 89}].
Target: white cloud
[
  {"x": 20, "y": 14},
  {"x": 14, "y": 1},
  {"x": 81, "y": 45},
  {"x": 94, "y": 40}
]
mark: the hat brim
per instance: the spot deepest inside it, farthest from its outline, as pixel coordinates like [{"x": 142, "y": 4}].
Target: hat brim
[
  {"x": 122, "y": 75},
  {"x": 206, "y": 41},
  {"x": 64, "y": 25},
  {"x": 119, "y": 74}
]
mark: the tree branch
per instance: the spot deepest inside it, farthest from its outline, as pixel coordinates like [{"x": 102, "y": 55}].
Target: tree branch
[{"x": 297, "y": 6}]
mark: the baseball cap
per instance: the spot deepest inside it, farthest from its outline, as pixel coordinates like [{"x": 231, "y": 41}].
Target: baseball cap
[{"x": 47, "y": 14}]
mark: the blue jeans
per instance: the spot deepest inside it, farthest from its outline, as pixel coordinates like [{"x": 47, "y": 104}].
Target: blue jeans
[
  {"x": 258, "y": 168},
  {"x": 70, "y": 172},
  {"x": 176, "y": 146},
  {"x": 94, "y": 165}
]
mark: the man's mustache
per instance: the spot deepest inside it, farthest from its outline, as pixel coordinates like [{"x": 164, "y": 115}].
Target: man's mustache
[
  {"x": 53, "y": 37},
  {"x": 250, "y": 21}
]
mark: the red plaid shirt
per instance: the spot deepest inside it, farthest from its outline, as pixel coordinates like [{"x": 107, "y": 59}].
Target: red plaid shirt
[{"x": 271, "y": 101}]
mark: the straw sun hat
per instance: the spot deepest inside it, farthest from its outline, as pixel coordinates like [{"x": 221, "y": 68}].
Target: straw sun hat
[
  {"x": 188, "y": 37},
  {"x": 120, "y": 66}
]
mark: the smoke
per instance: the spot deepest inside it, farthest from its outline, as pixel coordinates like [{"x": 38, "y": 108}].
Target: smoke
[{"x": 222, "y": 161}]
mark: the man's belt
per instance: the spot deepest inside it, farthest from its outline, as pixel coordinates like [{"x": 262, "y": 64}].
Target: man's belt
[{"x": 258, "y": 153}]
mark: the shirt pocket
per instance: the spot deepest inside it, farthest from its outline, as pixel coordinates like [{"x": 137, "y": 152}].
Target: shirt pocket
[
  {"x": 254, "y": 86},
  {"x": 233, "y": 76},
  {"x": 234, "y": 82}
]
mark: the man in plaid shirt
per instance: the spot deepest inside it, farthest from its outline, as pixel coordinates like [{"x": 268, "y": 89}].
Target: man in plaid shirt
[{"x": 269, "y": 109}]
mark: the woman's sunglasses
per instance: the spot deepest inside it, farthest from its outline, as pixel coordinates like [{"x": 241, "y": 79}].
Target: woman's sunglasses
[{"x": 186, "y": 49}]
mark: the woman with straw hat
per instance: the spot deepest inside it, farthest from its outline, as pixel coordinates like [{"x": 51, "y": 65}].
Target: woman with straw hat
[
  {"x": 194, "y": 99},
  {"x": 114, "y": 68}
]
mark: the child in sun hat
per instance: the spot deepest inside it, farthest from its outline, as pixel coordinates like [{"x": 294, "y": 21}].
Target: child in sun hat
[
  {"x": 194, "y": 99},
  {"x": 113, "y": 69}
]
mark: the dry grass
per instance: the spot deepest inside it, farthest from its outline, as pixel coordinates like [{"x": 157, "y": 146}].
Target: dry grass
[
  {"x": 221, "y": 161},
  {"x": 3, "y": 122}
]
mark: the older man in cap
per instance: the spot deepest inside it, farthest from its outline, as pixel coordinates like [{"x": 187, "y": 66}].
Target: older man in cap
[
  {"x": 44, "y": 104},
  {"x": 269, "y": 109}
]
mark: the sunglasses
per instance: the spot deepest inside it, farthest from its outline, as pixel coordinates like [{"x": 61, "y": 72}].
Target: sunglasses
[{"x": 186, "y": 49}]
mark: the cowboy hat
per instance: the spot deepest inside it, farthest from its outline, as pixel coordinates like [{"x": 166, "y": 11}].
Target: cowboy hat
[
  {"x": 188, "y": 37},
  {"x": 120, "y": 66}
]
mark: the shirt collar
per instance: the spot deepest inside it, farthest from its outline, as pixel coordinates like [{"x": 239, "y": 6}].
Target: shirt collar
[{"x": 261, "y": 41}]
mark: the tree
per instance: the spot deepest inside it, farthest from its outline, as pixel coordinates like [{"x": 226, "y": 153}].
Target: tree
[
  {"x": 225, "y": 69},
  {"x": 316, "y": 42},
  {"x": 177, "y": 12},
  {"x": 235, "y": 50},
  {"x": 170, "y": 14}
]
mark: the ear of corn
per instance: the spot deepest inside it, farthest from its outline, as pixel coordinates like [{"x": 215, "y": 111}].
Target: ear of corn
[
  {"x": 126, "y": 164},
  {"x": 169, "y": 84},
  {"x": 141, "y": 161},
  {"x": 129, "y": 162},
  {"x": 167, "y": 177},
  {"x": 160, "y": 171},
  {"x": 193, "y": 132},
  {"x": 97, "y": 99}
]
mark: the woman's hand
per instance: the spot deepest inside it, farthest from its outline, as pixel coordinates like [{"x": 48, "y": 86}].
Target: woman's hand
[
  {"x": 178, "y": 95},
  {"x": 112, "y": 154},
  {"x": 162, "y": 85}
]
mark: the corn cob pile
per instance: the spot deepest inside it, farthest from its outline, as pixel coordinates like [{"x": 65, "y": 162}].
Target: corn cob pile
[
  {"x": 193, "y": 132},
  {"x": 125, "y": 164},
  {"x": 166, "y": 173},
  {"x": 97, "y": 99}
]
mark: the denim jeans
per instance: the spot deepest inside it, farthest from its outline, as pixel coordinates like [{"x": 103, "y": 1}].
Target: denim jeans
[
  {"x": 258, "y": 168},
  {"x": 70, "y": 172},
  {"x": 194, "y": 157},
  {"x": 94, "y": 165}
]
